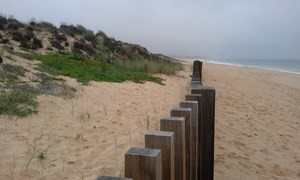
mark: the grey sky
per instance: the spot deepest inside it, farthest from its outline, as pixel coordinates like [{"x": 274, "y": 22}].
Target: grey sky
[{"x": 218, "y": 29}]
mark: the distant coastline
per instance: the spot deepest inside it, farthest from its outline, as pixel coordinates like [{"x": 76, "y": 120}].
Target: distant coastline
[{"x": 286, "y": 66}]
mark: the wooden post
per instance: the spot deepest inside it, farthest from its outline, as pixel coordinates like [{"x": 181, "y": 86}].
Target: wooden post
[
  {"x": 176, "y": 125},
  {"x": 208, "y": 130},
  {"x": 163, "y": 140},
  {"x": 197, "y": 71},
  {"x": 198, "y": 98},
  {"x": 196, "y": 76},
  {"x": 194, "y": 135},
  {"x": 143, "y": 164},
  {"x": 196, "y": 83},
  {"x": 200, "y": 70},
  {"x": 186, "y": 113},
  {"x": 111, "y": 178}
]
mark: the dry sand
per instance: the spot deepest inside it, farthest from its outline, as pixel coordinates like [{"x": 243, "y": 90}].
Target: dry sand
[
  {"x": 257, "y": 123},
  {"x": 257, "y": 126}
]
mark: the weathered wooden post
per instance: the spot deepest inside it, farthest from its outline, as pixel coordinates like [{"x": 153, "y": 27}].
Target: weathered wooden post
[
  {"x": 194, "y": 135},
  {"x": 143, "y": 164},
  {"x": 111, "y": 178},
  {"x": 186, "y": 113},
  {"x": 198, "y": 98},
  {"x": 197, "y": 71},
  {"x": 200, "y": 70},
  {"x": 163, "y": 140},
  {"x": 176, "y": 125},
  {"x": 207, "y": 130}
]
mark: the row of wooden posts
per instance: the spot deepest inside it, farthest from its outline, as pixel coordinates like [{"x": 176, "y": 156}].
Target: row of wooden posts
[{"x": 183, "y": 149}]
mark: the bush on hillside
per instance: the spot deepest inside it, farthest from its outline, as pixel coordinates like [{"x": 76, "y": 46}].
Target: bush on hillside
[
  {"x": 20, "y": 101},
  {"x": 101, "y": 33},
  {"x": 81, "y": 29},
  {"x": 59, "y": 37},
  {"x": 3, "y": 20},
  {"x": 5, "y": 41},
  {"x": 78, "y": 45},
  {"x": 56, "y": 44},
  {"x": 29, "y": 28},
  {"x": 13, "y": 24},
  {"x": 24, "y": 45},
  {"x": 89, "y": 36},
  {"x": 46, "y": 25},
  {"x": 29, "y": 35},
  {"x": 70, "y": 30},
  {"x": 36, "y": 43},
  {"x": 84, "y": 47},
  {"x": 17, "y": 36}
]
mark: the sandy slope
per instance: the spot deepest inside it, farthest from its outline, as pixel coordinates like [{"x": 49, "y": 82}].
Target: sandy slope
[
  {"x": 257, "y": 126},
  {"x": 89, "y": 134}
]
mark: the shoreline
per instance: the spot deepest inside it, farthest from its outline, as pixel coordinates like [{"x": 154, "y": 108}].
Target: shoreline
[{"x": 242, "y": 66}]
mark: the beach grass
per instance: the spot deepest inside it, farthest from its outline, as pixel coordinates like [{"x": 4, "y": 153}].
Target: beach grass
[{"x": 20, "y": 100}]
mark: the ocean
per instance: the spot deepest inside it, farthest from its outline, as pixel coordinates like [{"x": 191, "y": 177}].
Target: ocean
[{"x": 290, "y": 66}]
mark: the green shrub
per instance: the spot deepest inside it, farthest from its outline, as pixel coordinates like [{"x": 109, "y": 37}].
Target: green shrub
[
  {"x": 49, "y": 48},
  {"x": 3, "y": 20},
  {"x": 56, "y": 44},
  {"x": 89, "y": 36},
  {"x": 18, "y": 36},
  {"x": 29, "y": 28},
  {"x": 13, "y": 69},
  {"x": 70, "y": 30},
  {"x": 84, "y": 47},
  {"x": 36, "y": 43},
  {"x": 5, "y": 41},
  {"x": 29, "y": 35},
  {"x": 80, "y": 29},
  {"x": 59, "y": 37},
  {"x": 25, "y": 45},
  {"x": 53, "y": 86},
  {"x": 78, "y": 45},
  {"x": 19, "y": 101},
  {"x": 101, "y": 33},
  {"x": 13, "y": 26},
  {"x": 46, "y": 25},
  {"x": 32, "y": 23}
]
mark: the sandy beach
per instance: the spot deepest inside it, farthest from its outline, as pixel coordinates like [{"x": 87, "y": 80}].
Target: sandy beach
[{"x": 257, "y": 126}]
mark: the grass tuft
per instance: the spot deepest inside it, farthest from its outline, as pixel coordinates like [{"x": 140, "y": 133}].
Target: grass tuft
[
  {"x": 11, "y": 72},
  {"x": 54, "y": 86},
  {"x": 19, "y": 100}
]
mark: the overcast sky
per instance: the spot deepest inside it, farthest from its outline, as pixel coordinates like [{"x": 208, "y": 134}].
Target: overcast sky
[{"x": 218, "y": 29}]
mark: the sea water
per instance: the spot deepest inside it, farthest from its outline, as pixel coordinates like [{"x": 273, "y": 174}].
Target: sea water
[{"x": 290, "y": 66}]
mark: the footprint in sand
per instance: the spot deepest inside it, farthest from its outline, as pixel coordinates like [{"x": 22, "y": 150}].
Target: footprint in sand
[
  {"x": 261, "y": 169},
  {"x": 278, "y": 170}
]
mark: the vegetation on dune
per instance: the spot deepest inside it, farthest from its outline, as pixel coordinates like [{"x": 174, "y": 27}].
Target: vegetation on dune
[
  {"x": 18, "y": 99},
  {"x": 69, "y": 50},
  {"x": 84, "y": 70}
]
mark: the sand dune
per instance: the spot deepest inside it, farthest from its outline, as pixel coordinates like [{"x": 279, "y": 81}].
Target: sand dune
[{"x": 257, "y": 126}]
